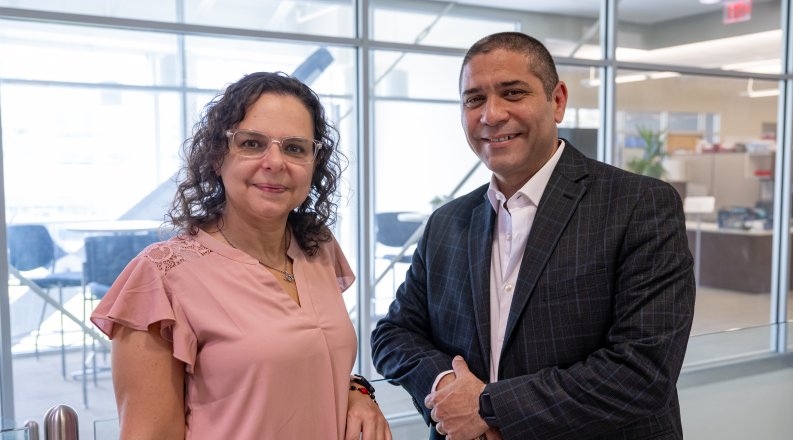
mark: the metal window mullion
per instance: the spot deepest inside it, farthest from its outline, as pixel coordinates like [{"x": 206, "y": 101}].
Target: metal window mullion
[
  {"x": 606, "y": 97},
  {"x": 781, "y": 257},
  {"x": 6, "y": 372},
  {"x": 365, "y": 199},
  {"x": 181, "y": 55}
]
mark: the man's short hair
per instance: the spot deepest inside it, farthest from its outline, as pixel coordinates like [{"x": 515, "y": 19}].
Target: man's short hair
[{"x": 540, "y": 61}]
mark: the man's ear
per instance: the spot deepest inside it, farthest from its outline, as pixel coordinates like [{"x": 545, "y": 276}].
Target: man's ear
[{"x": 560, "y": 101}]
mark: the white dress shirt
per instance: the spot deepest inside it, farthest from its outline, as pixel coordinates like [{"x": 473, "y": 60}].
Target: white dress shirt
[{"x": 515, "y": 217}]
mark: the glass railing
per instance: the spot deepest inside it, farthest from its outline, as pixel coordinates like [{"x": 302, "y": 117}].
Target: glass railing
[
  {"x": 14, "y": 434},
  {"x": 106, "y": 429}
]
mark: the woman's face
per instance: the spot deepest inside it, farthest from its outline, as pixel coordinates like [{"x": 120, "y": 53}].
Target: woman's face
[{"x": 267, "y": 188}]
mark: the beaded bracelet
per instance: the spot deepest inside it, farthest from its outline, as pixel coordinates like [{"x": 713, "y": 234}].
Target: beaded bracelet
[{"x": 363, "y": 390}]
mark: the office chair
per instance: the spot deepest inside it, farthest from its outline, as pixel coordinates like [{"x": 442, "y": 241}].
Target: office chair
[
  {"x": 394, "y": 229},
  {"x": 106, "y": 256},
  {"x": 30, "y": 246}
]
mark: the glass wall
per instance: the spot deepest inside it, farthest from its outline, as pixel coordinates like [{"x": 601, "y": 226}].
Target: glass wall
[
  {"x": 97, "y": 97},
  {"x": 707, "y": 93},
  {"x": 93, "y": 118},
  {"x": 718, "y": 149}
]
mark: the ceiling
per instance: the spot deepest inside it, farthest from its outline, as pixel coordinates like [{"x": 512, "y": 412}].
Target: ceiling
[
  {"x": 634, "y": 11},
  {"x": 761, "y": 49}
]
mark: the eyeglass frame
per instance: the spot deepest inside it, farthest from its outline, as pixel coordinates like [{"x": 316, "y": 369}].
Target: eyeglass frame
[{"x": 317, "y": 144}]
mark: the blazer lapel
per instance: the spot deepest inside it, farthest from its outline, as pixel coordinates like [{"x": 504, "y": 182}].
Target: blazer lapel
[
  {"x": 480, "y": 239},
  {"x": 558, "y": 203}
]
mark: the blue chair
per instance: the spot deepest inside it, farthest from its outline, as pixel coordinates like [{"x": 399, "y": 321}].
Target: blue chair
[
  {"x": 30, "y": 246},
  {"x": 106, "y": 256},
  {"x": 394, "y": 229}
]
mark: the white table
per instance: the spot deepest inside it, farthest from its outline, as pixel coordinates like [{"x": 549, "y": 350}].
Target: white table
[{"x": 115, "y": 226}]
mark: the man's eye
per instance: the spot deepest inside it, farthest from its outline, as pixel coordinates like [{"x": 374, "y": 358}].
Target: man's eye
[
  {"x": 473, "y": 101},
  {"x": 514, "y": 94}
]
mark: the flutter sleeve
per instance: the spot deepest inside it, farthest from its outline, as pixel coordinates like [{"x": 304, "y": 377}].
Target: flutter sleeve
[
  {"x": 139, "y": 298},
  {"x": 344, "y": 274}
]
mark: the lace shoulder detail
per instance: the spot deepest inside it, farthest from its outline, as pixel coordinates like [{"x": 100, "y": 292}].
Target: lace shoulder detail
[{"x": 167, "y": 255}]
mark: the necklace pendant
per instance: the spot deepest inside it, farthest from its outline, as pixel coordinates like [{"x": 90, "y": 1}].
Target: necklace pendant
[{"x": 288, "y": 277}]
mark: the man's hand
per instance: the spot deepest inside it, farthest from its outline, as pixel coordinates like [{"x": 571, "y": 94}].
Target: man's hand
[
  {"x": 455, "y": 405},
  {"x": 493, "y": 434}
]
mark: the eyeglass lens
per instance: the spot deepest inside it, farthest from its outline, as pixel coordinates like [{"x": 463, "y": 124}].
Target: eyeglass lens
[{"x": 254, "y": 144}]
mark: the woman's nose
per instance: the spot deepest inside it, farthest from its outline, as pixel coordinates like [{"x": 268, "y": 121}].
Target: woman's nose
[{"x": 273, "y": 158}]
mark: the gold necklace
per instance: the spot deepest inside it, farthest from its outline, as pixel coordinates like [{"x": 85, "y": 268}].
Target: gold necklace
[{"x": 288, "y": 277}]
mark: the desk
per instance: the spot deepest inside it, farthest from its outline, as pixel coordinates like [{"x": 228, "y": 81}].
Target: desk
[
  {"x": 733, "y": 259},
  {"x": 115, "y": 226}
]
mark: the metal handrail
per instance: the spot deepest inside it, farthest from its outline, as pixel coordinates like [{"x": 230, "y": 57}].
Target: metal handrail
[
  {"x": 43, "y": 295},
  {"x": 33, "y": 429},
  {"x": 60, "y": 423},
  {"x": 420, "y": 230}
]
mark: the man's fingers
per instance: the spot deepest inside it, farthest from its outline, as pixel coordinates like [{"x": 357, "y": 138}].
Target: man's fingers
[
  {"x": 428, "y": 402},
  {"x": 459, "y": 366}
]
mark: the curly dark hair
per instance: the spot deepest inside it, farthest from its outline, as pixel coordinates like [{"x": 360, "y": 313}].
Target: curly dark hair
[{"x": 200, "y": 194}]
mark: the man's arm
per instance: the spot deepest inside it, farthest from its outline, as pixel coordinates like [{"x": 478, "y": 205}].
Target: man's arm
[
  {"x": 402, "y": 347},
  {"x": 634, "y": 374}
]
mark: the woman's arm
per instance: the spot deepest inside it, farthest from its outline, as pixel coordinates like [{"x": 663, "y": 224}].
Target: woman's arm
[
  {"x": 149, "y": 385},
  {"x": 365, "y": 421}
]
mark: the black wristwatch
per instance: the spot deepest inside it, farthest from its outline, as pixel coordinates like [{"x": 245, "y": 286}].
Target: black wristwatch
[
  {"x": 360, "y": 380},
  {"x": 486, "y": 410}
]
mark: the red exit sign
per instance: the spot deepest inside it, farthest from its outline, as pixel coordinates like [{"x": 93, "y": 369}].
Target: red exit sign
[{"x": 737, "y": 11}]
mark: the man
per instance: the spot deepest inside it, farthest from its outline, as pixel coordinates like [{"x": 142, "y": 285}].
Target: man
[{"x": 555, "y": 302}]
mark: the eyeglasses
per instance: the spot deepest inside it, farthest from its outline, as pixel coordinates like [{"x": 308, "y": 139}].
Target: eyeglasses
[{"x": 253, "y": 144}]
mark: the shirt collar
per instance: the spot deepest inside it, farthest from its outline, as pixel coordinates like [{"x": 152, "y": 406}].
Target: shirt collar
[{"x": 533, "y": 189}]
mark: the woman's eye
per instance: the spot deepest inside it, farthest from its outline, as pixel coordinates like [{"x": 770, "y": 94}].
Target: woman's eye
[
  {"x": 294, "y": 148},
  {"x": 250, "y": 144}
]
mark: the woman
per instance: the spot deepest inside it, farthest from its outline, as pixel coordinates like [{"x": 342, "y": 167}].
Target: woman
[{"x": 236, "y": 328}]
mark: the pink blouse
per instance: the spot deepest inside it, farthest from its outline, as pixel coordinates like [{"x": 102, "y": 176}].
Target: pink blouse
[{"x": 257, "y": 364}]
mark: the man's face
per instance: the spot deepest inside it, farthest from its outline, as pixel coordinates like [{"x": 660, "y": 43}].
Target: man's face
[{"x": 509, "y": 121}]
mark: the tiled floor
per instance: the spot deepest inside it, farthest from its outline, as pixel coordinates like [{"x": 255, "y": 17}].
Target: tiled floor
[{"x": 39, "y": 385}]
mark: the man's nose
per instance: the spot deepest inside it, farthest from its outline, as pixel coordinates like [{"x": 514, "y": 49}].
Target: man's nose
[{"x": 494, "y": 112}]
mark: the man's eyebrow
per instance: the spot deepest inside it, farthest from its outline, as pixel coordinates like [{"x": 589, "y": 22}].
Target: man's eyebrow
[
  {"x": 513, "y": 83},
  {"x": 470, "y": 91},
  {"x": 501, "y": 85}
]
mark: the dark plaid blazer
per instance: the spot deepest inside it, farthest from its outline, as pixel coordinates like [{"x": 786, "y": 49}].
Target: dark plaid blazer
[{"x": 600, "y": 317}]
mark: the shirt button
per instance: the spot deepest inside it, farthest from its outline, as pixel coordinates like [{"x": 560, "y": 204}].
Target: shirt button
[{"x": 508, "y": 288}]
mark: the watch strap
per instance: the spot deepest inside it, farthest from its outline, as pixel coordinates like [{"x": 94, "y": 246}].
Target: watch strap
[{"x": 486, "y": 411}]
